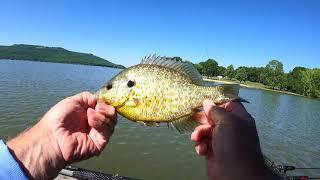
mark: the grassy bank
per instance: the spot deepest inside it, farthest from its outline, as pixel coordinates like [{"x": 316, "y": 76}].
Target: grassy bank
[{"x": 249, "y": 84}]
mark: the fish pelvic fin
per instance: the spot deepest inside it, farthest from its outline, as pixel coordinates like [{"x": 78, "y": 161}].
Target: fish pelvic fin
[
  {"x": 149, "y": 123},
  {"x": 231, "y": 91},
  {"x": 184, "y": 124}
]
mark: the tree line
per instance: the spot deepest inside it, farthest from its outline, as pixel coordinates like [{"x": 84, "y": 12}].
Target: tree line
[{"x": 300, "y": 80}]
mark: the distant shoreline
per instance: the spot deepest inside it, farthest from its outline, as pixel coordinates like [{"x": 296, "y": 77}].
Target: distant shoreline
[
  {"x": 253, "y": 87},
  {"x": 52, "y": 54},
  {"x": 61, "y": 63}
]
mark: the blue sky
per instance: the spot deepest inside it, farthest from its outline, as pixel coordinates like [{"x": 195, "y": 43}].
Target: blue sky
[{"x": 246, "y": 33}]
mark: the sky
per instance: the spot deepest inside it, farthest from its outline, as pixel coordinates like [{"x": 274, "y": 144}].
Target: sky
[{"x": 248, "y": 33}]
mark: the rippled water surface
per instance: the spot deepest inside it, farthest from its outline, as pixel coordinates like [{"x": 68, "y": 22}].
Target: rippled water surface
[{"x": 288, "y": 126}]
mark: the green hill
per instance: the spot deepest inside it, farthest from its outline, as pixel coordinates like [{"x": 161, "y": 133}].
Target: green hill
[{"x": 52, "y": 54}]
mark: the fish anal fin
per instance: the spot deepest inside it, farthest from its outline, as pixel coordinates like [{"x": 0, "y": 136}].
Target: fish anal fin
[
  {"x": 152, "y": 123},
  {"x": 185, "y": 124}
]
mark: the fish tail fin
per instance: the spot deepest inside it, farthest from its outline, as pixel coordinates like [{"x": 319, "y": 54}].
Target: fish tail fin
[{"x": 232, "y": 92}]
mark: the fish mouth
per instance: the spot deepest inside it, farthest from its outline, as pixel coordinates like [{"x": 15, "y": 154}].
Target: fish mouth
[
  {"x": 124, "y": 102},
  {"x": 99, "y": 95}
]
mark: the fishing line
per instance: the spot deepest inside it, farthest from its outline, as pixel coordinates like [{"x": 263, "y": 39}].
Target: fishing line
[
  {"x": 282, "y": 170},
  {"x": 286, "y": 168},
  {"x": 300, "y": 178}
]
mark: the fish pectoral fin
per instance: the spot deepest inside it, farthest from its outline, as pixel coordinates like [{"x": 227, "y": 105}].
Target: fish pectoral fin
[
  {"x": 185, "y": 124},
  {"x": 132, "y": 102}
]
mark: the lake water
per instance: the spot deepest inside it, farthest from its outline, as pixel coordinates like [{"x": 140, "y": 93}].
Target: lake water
[{"x": 288, "y": 126}]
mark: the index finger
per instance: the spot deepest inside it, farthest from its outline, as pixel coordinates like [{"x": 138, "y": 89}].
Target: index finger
[
  {"x": 106, "y": 110},
  {"x": 86, "y": 99}
]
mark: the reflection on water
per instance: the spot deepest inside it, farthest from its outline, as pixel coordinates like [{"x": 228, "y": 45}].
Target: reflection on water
[{"x": 288, "y": 126}]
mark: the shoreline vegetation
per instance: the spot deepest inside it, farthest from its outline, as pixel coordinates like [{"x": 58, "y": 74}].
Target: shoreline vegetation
[
  {"x": 52, "y": 54},
  {"x": 299, "y": 81},
  {"x": 249, "y": 84}
]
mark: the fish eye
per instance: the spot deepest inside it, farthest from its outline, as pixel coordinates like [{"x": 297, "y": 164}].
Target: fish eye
[
  {"x": 108, "y": 86},
  {"x": 130, "y": 83}
]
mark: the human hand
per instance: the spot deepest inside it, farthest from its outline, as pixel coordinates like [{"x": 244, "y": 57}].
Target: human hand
[
  {"x": 74, "y": 129},
  {"x": 228, "y": 139},
  {"x": 81, "y": 126}
]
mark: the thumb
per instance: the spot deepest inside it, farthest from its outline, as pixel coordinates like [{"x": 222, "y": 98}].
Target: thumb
[
  {"x": 221, "y": 116},
  {"x": 207, "y": 105},
  {"x": 215, "y": 114}
]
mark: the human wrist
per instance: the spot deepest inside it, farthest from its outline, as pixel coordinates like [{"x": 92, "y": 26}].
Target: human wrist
[{"x": 37, "y": 152}]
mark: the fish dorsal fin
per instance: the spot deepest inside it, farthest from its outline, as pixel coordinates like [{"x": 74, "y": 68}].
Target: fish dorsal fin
[{"x": 183, "y": 67}]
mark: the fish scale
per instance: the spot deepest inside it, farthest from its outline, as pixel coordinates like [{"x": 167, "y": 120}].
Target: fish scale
[{"x": 163, "y": 90}]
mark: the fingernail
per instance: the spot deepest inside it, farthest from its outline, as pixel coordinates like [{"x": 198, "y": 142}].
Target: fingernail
[
  {"x": 207, "y": 105},
  {"x": 208, "y": 102},
  {"x": 193, "y": 137},
  {"x": 90, "y": 110}
]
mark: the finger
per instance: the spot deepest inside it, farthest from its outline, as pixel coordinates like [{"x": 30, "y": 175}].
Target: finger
[
  {"x": 221, "y": 116},
  {"x": 201, "y": 132},
  {"x": 86, "y": 99},
  {"x": 201, "y": 148},
  {"x": 100, "y": 122},
  {"x": 95, "y": 119},
  {"x": 200, "y": 117},
  {"x": 236, "y": 108},
  {"x": 207, "y": 105},
  {"x": 108, "y": 111}
]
